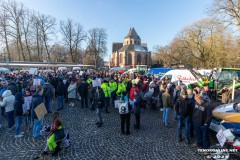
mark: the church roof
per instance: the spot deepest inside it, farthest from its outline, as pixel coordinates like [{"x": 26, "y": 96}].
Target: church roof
[
  {"x": 116, "y": 46},
  {"x": 132, "y": 34},
  {"x": 133, "y": 47}
]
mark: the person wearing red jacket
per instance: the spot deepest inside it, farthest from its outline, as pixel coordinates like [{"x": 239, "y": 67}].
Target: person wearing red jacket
[{"x": 131, "y": 95}]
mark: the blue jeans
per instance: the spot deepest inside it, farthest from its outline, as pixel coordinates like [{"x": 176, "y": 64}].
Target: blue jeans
[
  {"x": 10, "y": 119},
  {"x": 60, "y": 102},
  {"x": 166, "y": 112},
  {"x": 202, "y": 135},
  {"x": 36, "y": 128},
  {"x": 99, "y": 115},
  {"x": 48, "y": 103},
  {"x": 182, "y": 119},
  {"x": 18, "y": 124}
]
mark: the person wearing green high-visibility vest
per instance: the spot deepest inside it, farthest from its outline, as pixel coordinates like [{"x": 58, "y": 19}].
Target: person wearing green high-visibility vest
[
  {"x": 107, "y": 93},
  {"x": 121, "y": 87}
]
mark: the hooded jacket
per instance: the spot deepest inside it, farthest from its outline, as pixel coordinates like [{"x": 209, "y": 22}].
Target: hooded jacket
[
  {"x": 18, "y": 110},
  {"x": 48, "y": 90},
  {"x": 8, "y": 101}
]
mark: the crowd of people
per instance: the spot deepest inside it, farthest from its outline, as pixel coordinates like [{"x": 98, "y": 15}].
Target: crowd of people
[{"x": 128, "y": 92}]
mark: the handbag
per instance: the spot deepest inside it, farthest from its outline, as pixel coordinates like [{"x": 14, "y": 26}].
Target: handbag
[{"x": 123, "y": 108}]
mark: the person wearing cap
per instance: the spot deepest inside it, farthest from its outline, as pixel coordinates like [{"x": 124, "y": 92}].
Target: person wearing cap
[
  {"x": 167, "y": 105},
  {"x": 107, "y": 93},
  {"x": 183, "y": 111},
  {"x": 202, "y": 116}
]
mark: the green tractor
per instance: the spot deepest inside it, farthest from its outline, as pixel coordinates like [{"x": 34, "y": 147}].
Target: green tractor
[{"x": 217, "y": 80}]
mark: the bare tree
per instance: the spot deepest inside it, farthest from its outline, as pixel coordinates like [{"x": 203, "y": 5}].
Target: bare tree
[
  {"x": 47, "y": 29},
  {"x": 15, "y": 12},
  {"x": 73, "y": 35},
  {"x": 4, "y": 31},
  {"x": 97, "y": 41},
  {"x": 227, "y": 10}
]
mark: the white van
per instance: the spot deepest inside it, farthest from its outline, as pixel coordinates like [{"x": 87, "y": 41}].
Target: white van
[{"x": 180, "y": 74}]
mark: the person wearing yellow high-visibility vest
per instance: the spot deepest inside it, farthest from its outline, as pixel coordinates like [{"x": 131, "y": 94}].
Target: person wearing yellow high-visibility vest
[
  {"x": 121, "y": 87},
  {"x": 107, "y": 93}
]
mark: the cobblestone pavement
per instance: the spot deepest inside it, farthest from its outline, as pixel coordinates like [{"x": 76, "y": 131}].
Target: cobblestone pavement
[{"x": 153, "y": 141}]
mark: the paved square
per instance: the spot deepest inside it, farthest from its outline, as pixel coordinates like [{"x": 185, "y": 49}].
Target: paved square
[{"x": 153, "y": 141}]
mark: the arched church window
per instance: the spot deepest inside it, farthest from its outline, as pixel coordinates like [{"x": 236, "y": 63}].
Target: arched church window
[
  {"x": 139, "y": 59},
  {"x": 120, "y": 58},
  {"x": 129, "y": 59}
]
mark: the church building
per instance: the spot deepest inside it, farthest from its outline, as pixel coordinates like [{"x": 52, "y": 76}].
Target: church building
[{"x": 131, "y": 52}]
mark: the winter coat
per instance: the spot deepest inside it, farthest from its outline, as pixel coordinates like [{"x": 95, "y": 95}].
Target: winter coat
[
  {"x": 18, "y": 109},
  {"x": 8, "y": 101},
  {"x": 166, "y": 99},
  {"x": 48, "y": 90},
  {"x": 99, "y": 100},
  {"x": 60, "y": 90},
  {"x": 183, "y": 107},
  {"x": 3, "y": 89},
  {"x": 72, "y": 90},
  {"x": 145, "y": 87},
  {"x": 83, "y": 89},
  {"x": 36, "y": 100},
  {"x": 13, "y": 88},
  {"x": 131, "y": 95},
  {"x": 137, "y": 104},
  {"x": 202, "y": 113}
]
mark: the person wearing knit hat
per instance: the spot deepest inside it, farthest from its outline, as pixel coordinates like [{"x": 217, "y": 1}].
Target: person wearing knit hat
[{"x": 183, "y": 111}]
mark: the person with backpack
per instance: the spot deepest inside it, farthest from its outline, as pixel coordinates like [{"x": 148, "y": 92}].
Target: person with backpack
[
  {"x": 48, "y": 95},
  {"x": 124, "y": 111}
]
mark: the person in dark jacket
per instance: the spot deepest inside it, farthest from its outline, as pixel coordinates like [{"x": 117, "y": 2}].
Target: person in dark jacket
[
  {"x": 13, "y": 87},
  {"x": 36, "y": 100},
  {"x": 60, "y": 91},
  {"x": 202, "y": 116},
  {"x": 99, "y": 104},
  {"x": 137, "y": 108},
  {"x": 18, "y": 112},
  {"x": 48, "y": 95},
  {"x": 191, "y": 99},
  {"x": 83, "y": 92},
  {"x": 183, "y": 110}
]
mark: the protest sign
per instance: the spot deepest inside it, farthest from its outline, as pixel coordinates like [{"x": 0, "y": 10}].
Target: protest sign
[
  {"x": 36, "y": 82},
  {"x": 26, "y": 105},
  {"x": 96, "y": 82},
  {"x": 40, "y": 111}
]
